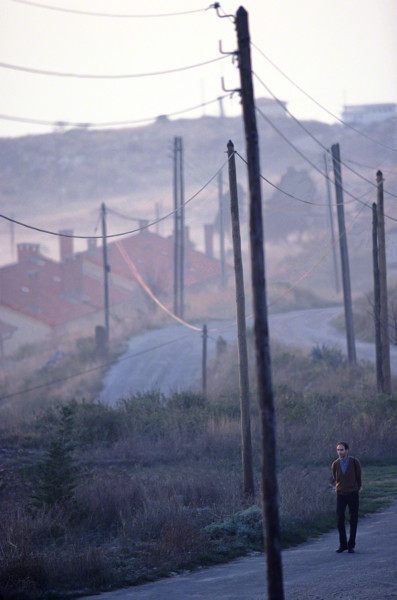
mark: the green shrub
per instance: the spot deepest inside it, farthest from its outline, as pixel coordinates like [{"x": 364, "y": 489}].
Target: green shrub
[
  {"x": 331, "y": 357},
  {"x": 245, "y": 527},
  {"x": 56, "y": 476}
]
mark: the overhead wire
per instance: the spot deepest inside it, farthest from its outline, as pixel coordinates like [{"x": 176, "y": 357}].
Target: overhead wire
[
  {"x": 130, "y": 263},
  {"x": 33, "y": 71},
  {"x": 90, "y": 370},
  {"x": 118, "y": 360},
  {"x": 288, "y": 141},
  {"x": 82, "y": 125},
  {"x": 315, "y": 139},
  {"x": 111, "y": 15},
  {"x": 114, "y": 235},
  {"x": 354, "y": 162},
  {"x": 318, "y": 103},
  {"x": 318, "y": 262},
  {"x": 280, "y": 189}
]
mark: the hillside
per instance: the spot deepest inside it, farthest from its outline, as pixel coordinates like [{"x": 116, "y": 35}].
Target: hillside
[{"x": 58, "y": 180}]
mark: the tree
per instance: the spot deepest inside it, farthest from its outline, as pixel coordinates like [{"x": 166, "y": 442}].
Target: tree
[{"x": 56, "y": 476}]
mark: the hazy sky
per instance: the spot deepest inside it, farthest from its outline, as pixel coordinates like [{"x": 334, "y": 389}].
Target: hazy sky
[{"x": 337, "y": 50}]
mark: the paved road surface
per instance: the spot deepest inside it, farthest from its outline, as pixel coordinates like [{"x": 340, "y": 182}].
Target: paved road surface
[
  {"x": 312, "y": 571},
  {"x": 306, "y": 328},
  {"x": 169, "y": 359}
]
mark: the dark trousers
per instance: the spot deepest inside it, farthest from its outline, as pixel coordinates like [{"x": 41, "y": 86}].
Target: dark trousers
[{"x": 350, "y": 500}]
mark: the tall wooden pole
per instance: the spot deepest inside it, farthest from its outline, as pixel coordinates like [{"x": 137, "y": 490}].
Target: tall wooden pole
[
  {"x": 271, "y": 519},
  {"x": 204, "y": 361},
  {"x": 181, "y": 233},
  {"x": 176, "y": 229},
  {"x": 246, "y": 444},
  {"x": 344, "y": 256},
  {"x": 331, "y": 224},
  {"x": 384, "y": 313},
  {"x": 105, "y": 271},
  {"x": 221, "y": 229},
  {"x": 375, "y": 261},
  {"x": 12, "y": 237}
]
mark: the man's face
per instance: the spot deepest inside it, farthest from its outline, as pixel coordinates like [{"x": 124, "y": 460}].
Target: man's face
[{"x": 342, "y": 452}]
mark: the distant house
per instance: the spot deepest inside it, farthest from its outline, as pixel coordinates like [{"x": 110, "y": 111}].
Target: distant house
[
  {"x": 153, "y": 257},
  {"x": 41, "y": 298},
  {"x": 365, "y": 114}
]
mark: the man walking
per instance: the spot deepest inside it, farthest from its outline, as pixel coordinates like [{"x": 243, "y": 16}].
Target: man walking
[{"x": 346, "y": 472}]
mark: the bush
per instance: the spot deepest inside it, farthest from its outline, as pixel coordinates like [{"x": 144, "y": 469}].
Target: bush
[
  {"x": 245, "y": 527},
  {"x": 332, "y": 357},
  {"x": 55, "y": 477}
]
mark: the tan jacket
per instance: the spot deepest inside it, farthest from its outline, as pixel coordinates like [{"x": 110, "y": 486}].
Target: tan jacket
[{"x": 351, "y": 480}]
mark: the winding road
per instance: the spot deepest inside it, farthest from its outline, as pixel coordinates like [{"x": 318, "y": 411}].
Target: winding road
[{"x": 169, "y": 359}]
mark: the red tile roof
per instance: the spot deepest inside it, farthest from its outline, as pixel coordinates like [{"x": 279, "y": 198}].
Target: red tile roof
[
  {"x": 55, "y": 293},
  {"x": 51, "y": 292},
  {"x": 153, "y": 257}
]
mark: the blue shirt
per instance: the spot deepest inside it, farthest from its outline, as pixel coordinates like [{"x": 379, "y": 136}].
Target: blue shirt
[{"x": 343, "y": 464}]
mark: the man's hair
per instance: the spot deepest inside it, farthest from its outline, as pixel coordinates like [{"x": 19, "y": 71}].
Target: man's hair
[{"x": 345, "y": 444}]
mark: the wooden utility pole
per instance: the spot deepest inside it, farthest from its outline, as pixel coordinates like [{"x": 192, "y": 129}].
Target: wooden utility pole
[
  {"x": 344, "y": 256},
  {"x": 375, "y": 262},
  {"x": 331, "y": 224},
  {"x": 12, "y": 237},
  {"x": 157, "y": 217},
  {"x": 246, "y": 444},
  {"x": 384, "y": 314},
  {"x": 271, "y": 520},
  {"x": 179, "y": 229},
  {"x": 221, "y": 229},
  {"x": 176, "y": 229},
  {"x": 181, "y": 233},
  {"x": 204, "y": 361},
  {"x": 106, "y": 270}
]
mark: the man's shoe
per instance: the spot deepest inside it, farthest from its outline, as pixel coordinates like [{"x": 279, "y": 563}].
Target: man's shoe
[
  {"x": 341, "y": 549},
  {"x": 350, "y": 550}
]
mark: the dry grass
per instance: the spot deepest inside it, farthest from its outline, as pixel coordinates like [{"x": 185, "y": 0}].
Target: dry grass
[{"x": 159, "y": 485}]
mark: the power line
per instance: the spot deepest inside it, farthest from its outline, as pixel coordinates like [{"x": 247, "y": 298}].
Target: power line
[
  {"x": 320, "y": 105},
  {"x": 286, "y": 139},
  {"x": 62, "y": 123},
  {"x": 317, "y": 263},
  {"x": 107, "y": 364},
  {"x": 280, "y": 189},
  {"x": 129, "y": 262},
  {"x": 354, "y": 162},
  {"x": 314, "y": 138},
  {"x": 122, "y": 216},
  {"x": 113, "y": 235},
  {"x": 111, "y": 15},
  {"x": 118, "y": 76}
]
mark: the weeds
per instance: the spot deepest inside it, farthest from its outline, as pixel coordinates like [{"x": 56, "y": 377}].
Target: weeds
[{"x": 159, "y": 486}]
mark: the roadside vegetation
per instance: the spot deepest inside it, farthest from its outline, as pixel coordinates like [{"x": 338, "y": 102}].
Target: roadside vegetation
[
  {"x": 95, "y": 498},
  {"x": 363, "y": 310}
]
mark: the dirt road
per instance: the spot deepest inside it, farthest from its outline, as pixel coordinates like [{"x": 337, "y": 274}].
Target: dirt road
[{"x": 312, "y": 571}]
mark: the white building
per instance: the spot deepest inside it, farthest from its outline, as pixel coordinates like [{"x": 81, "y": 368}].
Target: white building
[{"x": 365, "y": 114}]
